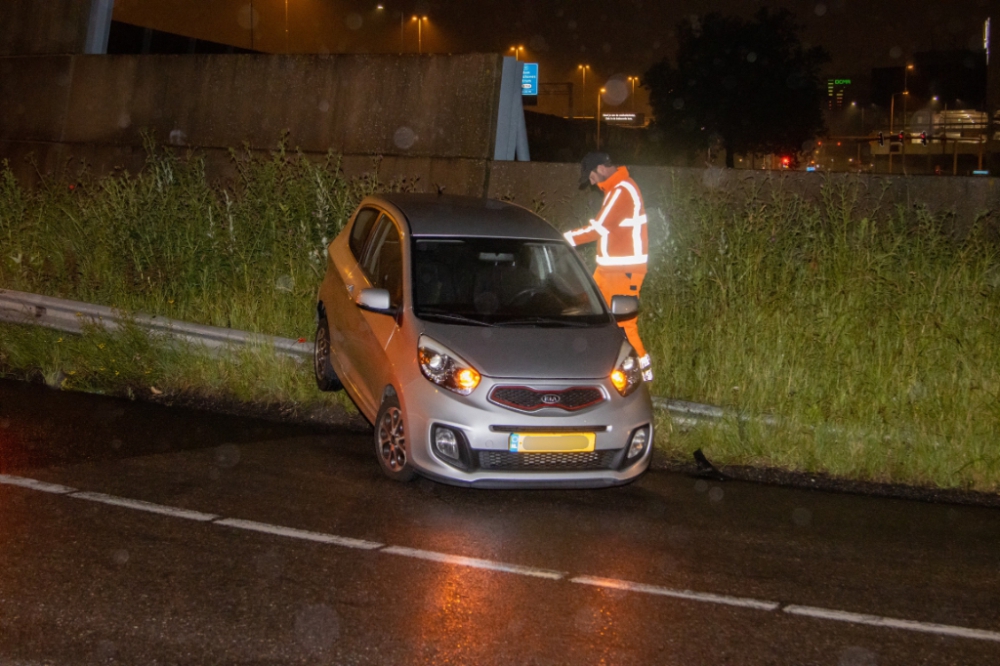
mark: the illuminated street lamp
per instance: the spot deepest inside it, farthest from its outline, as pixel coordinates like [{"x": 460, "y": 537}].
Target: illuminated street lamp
[
  {"x": 583, "y": 70},
  {"x": 420, "y": 22},
  {"x": 517, "y": 51},
  {"x": 286, "y": 26},
  {"x": 634, "y": 80},
  {"x": 599, "y": 93}
]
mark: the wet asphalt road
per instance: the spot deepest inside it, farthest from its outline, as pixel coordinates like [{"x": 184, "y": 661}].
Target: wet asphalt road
[{"x": 385, "y": 573}]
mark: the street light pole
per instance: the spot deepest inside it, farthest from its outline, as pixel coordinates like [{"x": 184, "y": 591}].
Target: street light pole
[
  {"x": 420, "y": 21},
  {"x": 517, "y": 51},
  {"x": 286, "y": 26},
  {"x": 633, "y": 79},
  {"x": 583, "y": 70},
  {"x": 599, "y": 93}
]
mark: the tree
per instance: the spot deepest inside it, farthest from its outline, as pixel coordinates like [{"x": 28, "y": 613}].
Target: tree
[{"x": 749, "y": 85}]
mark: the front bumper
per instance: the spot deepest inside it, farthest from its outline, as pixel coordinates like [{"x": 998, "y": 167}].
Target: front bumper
[{"x": 485, "y": 429}]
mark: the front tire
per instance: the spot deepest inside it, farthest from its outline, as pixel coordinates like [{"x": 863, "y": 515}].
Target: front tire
[
  {"x": 391, "y": 445},
  {"x": 326, "y": 376}
]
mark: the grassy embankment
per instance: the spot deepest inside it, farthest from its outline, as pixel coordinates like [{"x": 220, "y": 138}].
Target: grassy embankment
[{"x": 871, "y": 334}]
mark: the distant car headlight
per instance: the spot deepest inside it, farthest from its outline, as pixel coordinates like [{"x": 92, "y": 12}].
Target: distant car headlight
[
  {"x": 446, "y": 368},
  {"x": 627, "y": 375}
]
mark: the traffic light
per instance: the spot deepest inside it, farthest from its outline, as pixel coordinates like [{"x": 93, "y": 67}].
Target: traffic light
[
  {"x": 881, "y": 139},
  {"x": 923, "y": 138},
  {"x": 901, "y": 135}
]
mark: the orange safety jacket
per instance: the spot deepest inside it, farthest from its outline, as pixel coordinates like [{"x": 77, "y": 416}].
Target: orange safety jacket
[{"x": 620, "y": 227}]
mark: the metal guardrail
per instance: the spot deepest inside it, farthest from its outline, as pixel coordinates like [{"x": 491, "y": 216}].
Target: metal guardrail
[{"x": 20, "y": 307}]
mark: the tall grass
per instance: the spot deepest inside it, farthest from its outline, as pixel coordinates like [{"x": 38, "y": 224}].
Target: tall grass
[
  {"x": 247, "y": 254},
  {"x": 873, "y": 333}
]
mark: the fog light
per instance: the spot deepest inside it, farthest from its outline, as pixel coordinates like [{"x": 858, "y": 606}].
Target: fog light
[
  {"x": 446, "y": 443},
  {"x": 639, "y": 440}
]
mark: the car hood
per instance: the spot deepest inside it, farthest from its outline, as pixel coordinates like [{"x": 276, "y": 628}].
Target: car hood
[{"x": 533, "y": 353}]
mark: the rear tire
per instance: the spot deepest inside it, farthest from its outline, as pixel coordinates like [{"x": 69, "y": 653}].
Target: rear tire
[
  {"x": 391, "y": 445},
  {"x": 326, "y": 376}
]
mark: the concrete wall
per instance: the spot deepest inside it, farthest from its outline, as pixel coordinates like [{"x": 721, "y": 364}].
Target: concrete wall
[
  {"x": 406, "y": 109},
  {"x": 552, "y": 188},
  {"x": 33, "y": 27}
]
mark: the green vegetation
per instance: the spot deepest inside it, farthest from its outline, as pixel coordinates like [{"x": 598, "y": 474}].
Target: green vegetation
[{"x": 869, "y": 333}]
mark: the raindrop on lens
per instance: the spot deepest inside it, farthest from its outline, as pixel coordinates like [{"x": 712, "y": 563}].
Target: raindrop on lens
[
  {"x": 716, "y": 494},
  {"x": 801, "y": 517},
  {"x": 404, "y": 138},
  {"x": 227, "y": 455},
  {"x": 354, "y": 21},
  {"x": 120, "y": 556},
  {"x": 317, "y": 628},
  {"x": 820, "y": 9},
  {"x": 285, "y": 283},
  {"x": 700, "y": 486}
]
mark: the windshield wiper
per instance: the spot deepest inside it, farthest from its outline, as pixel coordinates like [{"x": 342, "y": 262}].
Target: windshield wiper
[
  {"x": 451, "y": 316},
  {"x": 531, "y": 321}
]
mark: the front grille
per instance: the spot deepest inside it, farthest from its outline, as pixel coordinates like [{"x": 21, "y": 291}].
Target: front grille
[
  {"x": 546, "y": 462},
  {"x": 525, "y": 399}
]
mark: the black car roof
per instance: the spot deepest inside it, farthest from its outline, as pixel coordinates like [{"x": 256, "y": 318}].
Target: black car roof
[{"x": 451, "y": 215}]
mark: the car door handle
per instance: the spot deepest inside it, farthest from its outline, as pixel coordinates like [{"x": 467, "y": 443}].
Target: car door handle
[{"x": 350, "y": 289}]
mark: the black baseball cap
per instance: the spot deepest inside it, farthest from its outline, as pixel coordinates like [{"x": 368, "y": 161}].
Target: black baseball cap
[{"x": 590, "y": 162}]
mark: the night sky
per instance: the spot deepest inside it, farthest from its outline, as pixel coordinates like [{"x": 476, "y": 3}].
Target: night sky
[{"x": 615, "y": 37}]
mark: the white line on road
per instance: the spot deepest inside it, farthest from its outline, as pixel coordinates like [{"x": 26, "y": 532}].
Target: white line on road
[
  {"x": 614, "y": 584},
  {"x": 293, "y": 533},
  {"x": 473, "y": 562},
  {"x": 909, "y": 625},
  {"x": 140, "y": 505},
  {"x": 35, "y": 485},
  {"x": 458, "y": 560}
]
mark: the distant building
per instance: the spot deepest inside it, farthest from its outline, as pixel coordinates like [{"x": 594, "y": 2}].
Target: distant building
[{"x": 835, "y": 92}]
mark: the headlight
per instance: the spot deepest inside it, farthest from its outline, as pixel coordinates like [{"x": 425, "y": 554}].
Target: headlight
[
  {"x": 627, "y": 375},
  {"x": 446, "y": 368}
]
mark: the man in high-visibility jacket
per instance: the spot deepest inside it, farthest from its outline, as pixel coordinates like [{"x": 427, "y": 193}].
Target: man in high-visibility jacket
[{"x": 620, "y": 232}]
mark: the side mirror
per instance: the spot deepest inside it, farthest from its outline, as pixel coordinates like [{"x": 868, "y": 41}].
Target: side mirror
[
  {"x": 624, "y": 307},
  {"x": 375, "y": 300}
]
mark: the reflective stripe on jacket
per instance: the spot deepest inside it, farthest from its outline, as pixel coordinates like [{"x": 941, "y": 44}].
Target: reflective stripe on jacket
[{"x": 620, "y": 227}]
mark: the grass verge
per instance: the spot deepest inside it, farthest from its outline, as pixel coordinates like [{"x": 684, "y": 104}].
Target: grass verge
[{"x": 870, "y": 331}]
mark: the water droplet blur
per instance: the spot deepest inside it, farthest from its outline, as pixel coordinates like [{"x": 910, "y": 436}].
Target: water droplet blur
[
  {"x": 354, "y": 21},
  {"x": 104, "y": 650},
  {"x": 120, "y": 556},
  {"x": 895, "y": 52},
  {"x": 404, "y": 138},
  {"x": 317, "y": 628},
  {"x": 580, "y": 345},
  {"x": 751, "y": 57},
  {"x": 538, "y": 43},
  {"x": 820, "y": 9},
  {"x": 124, "y": 120},
  {"x": 716, "y": 494},
  {"x": 4, "y": 423},
  {"x": 802, "y": 517},
  {"x": 857, "y": 656},
  {"x": 700, "y": 486},
  {"x": 285, "y": 283},
  {"x": 227, "y": 455},
  {"x": 178, "y": 137},
  {"x": 247, "y": 16},
  {"x": 116, "y": 443},
  {"x": 616, "y": 90},
  {"x": 324, "y": 106}
]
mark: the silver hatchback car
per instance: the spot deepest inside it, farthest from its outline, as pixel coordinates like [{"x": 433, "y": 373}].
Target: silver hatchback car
[{"x": 474, "y": 339}]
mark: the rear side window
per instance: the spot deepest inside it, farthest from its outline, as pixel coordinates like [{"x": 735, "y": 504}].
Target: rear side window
[{"x": 362, "y": 227}]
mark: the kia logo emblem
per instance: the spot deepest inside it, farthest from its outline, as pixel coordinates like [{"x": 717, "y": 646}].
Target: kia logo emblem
[{"x": 551, "y": 399}]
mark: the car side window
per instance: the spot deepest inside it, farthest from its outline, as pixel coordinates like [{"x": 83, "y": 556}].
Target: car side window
[
  {"x": 383, "y": 260},
  {"x": 363, "y": 223}
]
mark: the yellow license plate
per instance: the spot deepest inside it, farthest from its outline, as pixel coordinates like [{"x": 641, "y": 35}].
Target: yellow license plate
[{"x": 551, "y": 442}]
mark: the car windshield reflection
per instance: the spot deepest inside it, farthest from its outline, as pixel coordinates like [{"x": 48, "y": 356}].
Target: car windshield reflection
[{"x": 504, "y": 282}]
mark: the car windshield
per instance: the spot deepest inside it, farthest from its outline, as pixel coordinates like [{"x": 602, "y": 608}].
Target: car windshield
[{"x": 503, "y": 282}]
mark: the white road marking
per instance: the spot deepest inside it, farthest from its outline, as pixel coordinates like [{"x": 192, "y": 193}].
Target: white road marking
[
  {"x": 35, "y": 485},
  {"x": 293, "y": 533},
  {"x": 458, "y": 560},
  {"x": 614, "y": 584},
  {"x": 908, "y": 625},
  {"x": 473, "y": 562},
  {"x": 140, "y": 505}
]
